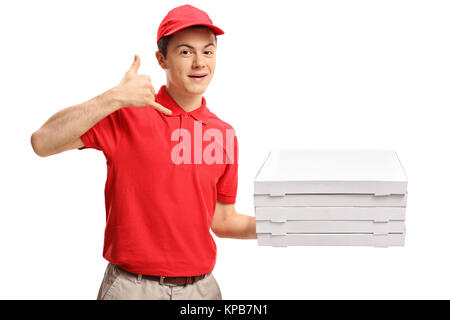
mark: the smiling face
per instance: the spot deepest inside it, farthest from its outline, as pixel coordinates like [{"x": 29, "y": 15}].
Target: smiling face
[{"x": 190, "y": 60}]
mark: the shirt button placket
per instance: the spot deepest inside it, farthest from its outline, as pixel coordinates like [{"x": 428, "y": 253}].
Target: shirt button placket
[
  {"x": 179, "y": 138},
  {"x": 182, "y": 125}
]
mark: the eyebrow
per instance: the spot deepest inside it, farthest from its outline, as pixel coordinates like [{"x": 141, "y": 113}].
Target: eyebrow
[{"x": 186, "y": 45}]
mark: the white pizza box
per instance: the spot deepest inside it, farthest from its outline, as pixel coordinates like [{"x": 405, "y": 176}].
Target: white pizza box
[
  {"x": 330, "y": 200},
  {"x": 282, "y": 214},
  {"x": 353, "y": 239},
  {"x": 335, "y": 226},
  {"x": 298, "y": 171}
]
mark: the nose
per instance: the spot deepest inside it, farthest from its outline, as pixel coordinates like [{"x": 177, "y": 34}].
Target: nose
[{"x": 199, "y": 61}]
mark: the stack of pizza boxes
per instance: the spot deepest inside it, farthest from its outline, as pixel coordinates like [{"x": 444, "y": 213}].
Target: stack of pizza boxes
[{"x": 330, "y": 198}]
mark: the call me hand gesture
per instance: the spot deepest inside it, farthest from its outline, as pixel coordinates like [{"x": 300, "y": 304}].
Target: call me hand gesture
[{"x": 136, "y": 90}]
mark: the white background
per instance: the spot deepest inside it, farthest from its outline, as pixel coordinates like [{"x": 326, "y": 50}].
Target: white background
[{"x": 290, "y": 74}]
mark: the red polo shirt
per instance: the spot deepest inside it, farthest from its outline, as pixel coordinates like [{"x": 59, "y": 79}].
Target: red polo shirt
[{"x": 161, "y": 187}]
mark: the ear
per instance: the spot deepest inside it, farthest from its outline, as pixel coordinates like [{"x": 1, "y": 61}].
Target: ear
[{"x": 161, "y": 61}]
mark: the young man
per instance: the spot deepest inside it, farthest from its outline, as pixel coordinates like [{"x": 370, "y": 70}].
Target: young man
[{"x": 172, "y": 168}]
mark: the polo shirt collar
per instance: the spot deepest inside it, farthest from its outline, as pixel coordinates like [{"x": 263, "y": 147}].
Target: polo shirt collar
[{"x": 163, "y": 98}]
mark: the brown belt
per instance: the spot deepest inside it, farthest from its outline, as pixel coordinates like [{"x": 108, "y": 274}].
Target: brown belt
[{"x": 181, "y": 281}]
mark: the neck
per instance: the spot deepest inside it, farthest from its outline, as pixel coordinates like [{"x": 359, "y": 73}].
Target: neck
[{"x": 187, "y": 102}]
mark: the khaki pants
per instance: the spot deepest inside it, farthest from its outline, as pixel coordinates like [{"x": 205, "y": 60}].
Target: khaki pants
[{"x": 119, "y": 284}]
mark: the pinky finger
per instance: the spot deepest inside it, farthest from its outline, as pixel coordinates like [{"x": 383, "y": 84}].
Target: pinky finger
[{"x": 159, "y": 107}]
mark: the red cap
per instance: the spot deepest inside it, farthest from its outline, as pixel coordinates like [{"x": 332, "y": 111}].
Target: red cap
[{"x": 182, "y": 17}]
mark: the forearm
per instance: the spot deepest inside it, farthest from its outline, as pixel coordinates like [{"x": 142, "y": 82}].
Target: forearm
[
  {"x": 70, "y": 123},
  {"x": 239, "y": 226}
]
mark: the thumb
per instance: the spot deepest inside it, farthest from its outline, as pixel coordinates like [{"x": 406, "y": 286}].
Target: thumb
[{"x": 136, "y": 63}]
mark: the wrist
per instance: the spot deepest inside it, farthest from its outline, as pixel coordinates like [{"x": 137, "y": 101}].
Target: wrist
[{"x": 114, "y": 98}]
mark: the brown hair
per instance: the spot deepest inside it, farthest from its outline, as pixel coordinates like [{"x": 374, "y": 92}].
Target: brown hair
[{"x": 163, "y": 43}]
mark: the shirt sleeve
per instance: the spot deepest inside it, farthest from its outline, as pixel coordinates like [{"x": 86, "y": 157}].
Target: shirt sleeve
[
  {"x": 104, "y": 135},
  {"x": 228, "y": 182}
]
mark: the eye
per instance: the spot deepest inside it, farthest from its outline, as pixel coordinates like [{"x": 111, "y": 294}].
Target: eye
[{"x": 184, "y": 51}]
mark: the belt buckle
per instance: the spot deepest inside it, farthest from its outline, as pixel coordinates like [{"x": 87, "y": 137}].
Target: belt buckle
[{"x": 161, "y": 282}]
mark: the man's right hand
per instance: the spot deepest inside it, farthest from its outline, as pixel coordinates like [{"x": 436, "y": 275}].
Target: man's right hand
[{"x": 136, "y": 90}]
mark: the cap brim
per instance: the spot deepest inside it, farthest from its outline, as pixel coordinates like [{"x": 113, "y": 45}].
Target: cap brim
[{"x": 217, "y": 30}]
